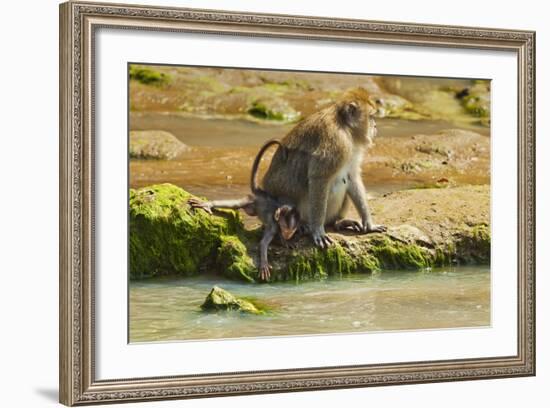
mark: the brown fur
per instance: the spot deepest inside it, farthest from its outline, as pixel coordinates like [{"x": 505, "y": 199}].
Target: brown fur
[
  {"x": 319, "y": 167},
  {"x": 278, "y": 217}
]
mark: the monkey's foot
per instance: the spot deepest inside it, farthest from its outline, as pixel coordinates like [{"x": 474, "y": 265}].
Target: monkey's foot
[
  {"x": 322, "y": 240},
  {"x": 196, "y": 203},
  {"x": 265, "y": 272},
  {"x": 375, "y": 228},
  {"x": 350, "y": 225}
]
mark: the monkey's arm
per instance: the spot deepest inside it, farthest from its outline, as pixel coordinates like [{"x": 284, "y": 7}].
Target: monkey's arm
[
  {"x": 246, "y": 203},
  {"x": 269, "y": 233},
  {"x": 318, "y": 193},
  {"x": 358, "y": 195}
]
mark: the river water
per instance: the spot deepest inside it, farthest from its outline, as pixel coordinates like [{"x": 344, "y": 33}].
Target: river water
[{"x": 169, "y": 309}]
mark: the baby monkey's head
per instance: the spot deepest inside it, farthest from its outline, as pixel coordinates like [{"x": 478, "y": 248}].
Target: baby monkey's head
[{"x": 288, "y": 219}]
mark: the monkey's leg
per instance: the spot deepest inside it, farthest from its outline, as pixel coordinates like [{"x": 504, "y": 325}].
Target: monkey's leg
[
  {"x": 358, "y": 194},
  {"x": 203, "y": 205},
  {"x": 318, "y": 197},
  {"x": 247, "y": 203},
  {"x": 265, "y": 269}
]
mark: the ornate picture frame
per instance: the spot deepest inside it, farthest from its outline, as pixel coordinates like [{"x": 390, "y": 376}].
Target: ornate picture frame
[{"x": 78, "y": 25}]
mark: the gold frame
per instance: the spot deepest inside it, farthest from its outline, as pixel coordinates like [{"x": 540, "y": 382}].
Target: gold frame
[{"x": 78, "y": 22}]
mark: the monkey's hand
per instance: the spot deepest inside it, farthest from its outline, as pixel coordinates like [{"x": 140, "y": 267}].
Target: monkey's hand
[
  {"x": 369, "y": 228},
  {"x": 196, "y": 203},
  {"x": 321, "y": 239},
  {"x": 265, "y": 272}
]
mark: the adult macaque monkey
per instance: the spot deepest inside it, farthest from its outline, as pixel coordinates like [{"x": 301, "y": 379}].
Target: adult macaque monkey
[{"x": 319, "y": 168}]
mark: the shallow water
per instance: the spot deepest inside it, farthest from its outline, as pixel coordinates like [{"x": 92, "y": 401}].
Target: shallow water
[
  {"x": 196, "y": 131},
  {"x": 169, "y": 309}
]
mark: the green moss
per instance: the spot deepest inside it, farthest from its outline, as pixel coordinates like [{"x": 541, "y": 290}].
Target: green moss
[
  {"x": 302, "y": 268},
  {"x": 264, "y": 307},
  {"x": 318, "y": 264},
  {"x": 394, "y": 254},
  {"x": 167, "y": 237},
  {"x": 475, "y": 106},
  {"x": 444, "y": 256},
  {"x": 276, "y": 110},
  {"x": 474, "y": 245},
  {"x": 233, "y": 259},
  {"x": 220, "y": 299},
  {"x": 148, "y": 76},
  {"x": 476, "y": 100}
]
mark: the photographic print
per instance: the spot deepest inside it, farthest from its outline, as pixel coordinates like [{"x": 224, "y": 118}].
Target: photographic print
[
  {"x": 315, "y": 184},
  {"x": 284, "y": 203}
]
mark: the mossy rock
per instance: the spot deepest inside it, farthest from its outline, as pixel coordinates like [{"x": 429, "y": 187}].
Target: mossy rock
[
  {"x": 476, "y": 100},
  {"x": 220, "y": 299},
  {"x": 273, "y": 108},
  {"x": 154, "y": 144},
  {"x": 233, "y": 260},
  {"x": 167, "y": 237},
  {"x": 148, "y": 76},
  {"x": 426, "y": 228}
]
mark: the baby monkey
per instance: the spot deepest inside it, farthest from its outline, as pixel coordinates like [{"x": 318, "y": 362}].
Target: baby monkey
[{"x": 278, "y": 218}]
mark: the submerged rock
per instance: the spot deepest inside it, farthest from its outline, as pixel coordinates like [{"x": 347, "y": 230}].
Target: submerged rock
[
  {"x": 426, "y": 228},
  {"x": 221, "y": 299},
  {"x": 154, "y": 144}
]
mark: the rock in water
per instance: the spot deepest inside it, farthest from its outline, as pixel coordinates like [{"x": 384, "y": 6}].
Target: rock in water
[
  {"x": 168, "y": 237},
  {"x": 154, "y": 144},
  {"x": 427, "y": 228},
  {"x": 220, "y": 299}
]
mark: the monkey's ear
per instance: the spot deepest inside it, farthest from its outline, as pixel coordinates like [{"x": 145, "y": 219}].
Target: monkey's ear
[
  {"x": 349, "y": 112},
  {"x": 352, "y": 108}
]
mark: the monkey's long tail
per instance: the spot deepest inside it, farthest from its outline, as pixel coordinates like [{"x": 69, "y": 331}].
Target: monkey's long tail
[{"x": 254, "y": 174}]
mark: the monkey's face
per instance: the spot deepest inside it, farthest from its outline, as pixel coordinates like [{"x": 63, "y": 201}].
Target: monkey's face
[{"x": 288, "y": 219}]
